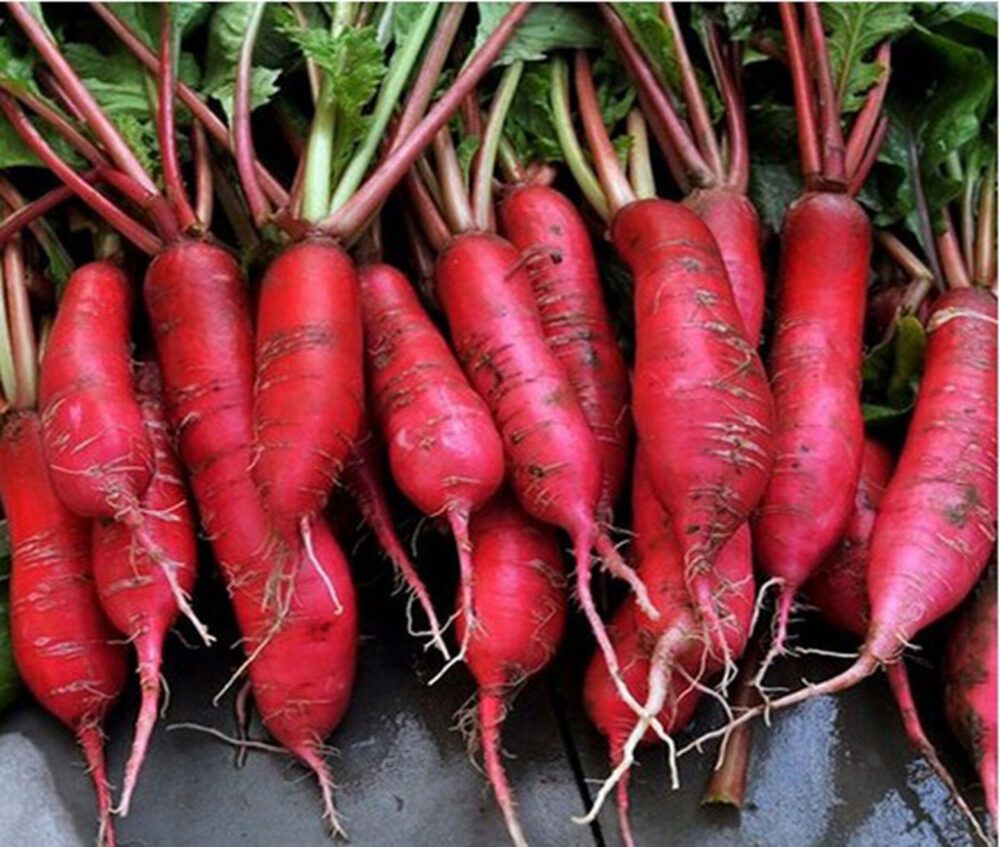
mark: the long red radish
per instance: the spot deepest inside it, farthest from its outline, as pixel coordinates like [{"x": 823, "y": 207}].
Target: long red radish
[
  {"x": 937, "y": 524},
  {"x": 197, "y": 302},
  {"x": 363, "y": 479},
  {"x": 971, "y": 685},
  {"x": 668, "y": 662},
  {"x": 66, "y": 651},
  {"x": 444, "y": 450},
  {"x": 707, "y": 469},
  {"x": 547, "y": 228},
  {"x": 309, "y": 383},
  {"x": 520, "y": 613},
  {"x": 838, "y": 590},
  {"x": 818, "y": 336},
  {"x": 99, "y": 452},
  {"x": 135, "y": 593},
  {"x": 552, "y": 456}
]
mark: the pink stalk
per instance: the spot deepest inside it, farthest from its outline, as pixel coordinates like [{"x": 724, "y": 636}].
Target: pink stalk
[
  {"x": 29, "y": 213},
  {"x": 804, "y": 108},
  {"x": 834, "y": 169},
  {"x": 245, "y": 155},
  {"x": 867, "y": 118},
  {"x": 204, "y": 195}
]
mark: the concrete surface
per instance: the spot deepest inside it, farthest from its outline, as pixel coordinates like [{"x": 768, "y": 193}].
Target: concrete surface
[{"x": 835, "y": 772}]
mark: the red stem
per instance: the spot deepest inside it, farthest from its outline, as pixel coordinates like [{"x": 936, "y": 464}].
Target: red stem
[
  {"x": 27, "y": 214},
  {"x": 697, "y": 169},
  {"x": 118, "y": 150},
  {"x": 242, "y": 134},
  {"x": 738, "y": 176},
  {"x": 22, "y": 332},
  {"x": 127, "y": 226},
  {"x": 204, "y": 193},
  {"x": 51, "y": 84},
  {"x": 355, "y": 213},
  {"x": 701, "y": 124},
  {"x": 950, "y": 254},
  {"x": 903, "y": 255},
  {"x": 216, "y": 128},
  {"x": 430, "y": 71},
  {"x": 609, "y": 170},
  {"x": 804, "y": 107},
  {"x": 864, "y": 167},
  {"x": 834, "y": 170},
  {"x": 670, "y": 153},
  {"x": 867, "y": 118},
  {"x": 431, "y": 220},
  {"x": 61, "y": 125},
  {"x": 165, "y": 129},
  {"x": 155, "y": 205},
  {"x": 457, "y": 209}
]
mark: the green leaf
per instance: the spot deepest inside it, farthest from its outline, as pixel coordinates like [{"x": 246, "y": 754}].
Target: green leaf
[
  {"x": 773, "y": 188},
  {"x": 273, "y": 53},
  {"x": 466, "y": 152},
  {"x": 741, "y": 19},
  {"x": 981, "y": 17},
  {"x": 546, "y": 27},
  {"x": 888, "y": 193},
  {"x": 891, "y": 372},
  {"x": 529, "y": 124},
  {"x": 853, "y": 29}
]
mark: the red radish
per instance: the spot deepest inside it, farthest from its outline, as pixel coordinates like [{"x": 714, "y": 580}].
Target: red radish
[
  {"x": 971, "y": 690},
  {"x": 713, "y": 175},
  {"x": 818, "y": 336},
  {"x": 66, "y": 652},
  {"x": 937, "y": 524},
  {"x": 710, "y": 468},
  {"x": 667, "y": 662},
  {"x": 310, "y": 387},
  {"x": 544, "y": 225},
  {"x": 485, "y": 292},
  {"x": 838, "y": 591},
  {"x": 444, "y": 451},
  {"x": 363, "y": 478},
  {"x": 135, "y": 593},
  {"x": 520, "y": 613},
  {"x": 99, "y": 451}
]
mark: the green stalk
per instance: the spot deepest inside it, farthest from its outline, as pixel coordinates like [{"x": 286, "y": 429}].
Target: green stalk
[
  {"x": 640, "y": 165},
  {"x": 7, "y": 379},
  {"x": 576, "y": 159},
  {"x": 322, "y": 136},
  {"x": 400, "y": 67},
  {"x": 482, "y": 193}
]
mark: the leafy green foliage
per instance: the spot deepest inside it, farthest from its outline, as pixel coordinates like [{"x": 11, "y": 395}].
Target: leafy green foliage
[
  {"x": 853, "y": 30},
  {"x": 891, "y": 373},
  {"x": 981, "y": 17},
  {"x": 546, "y": 27}
]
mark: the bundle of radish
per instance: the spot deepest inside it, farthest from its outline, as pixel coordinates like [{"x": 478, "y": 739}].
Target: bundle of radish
[
  {"x": 66, "y": 651},
  {"x": 937, "y": 523},
  {"x": 485, "y": 292},
  {"x": 520, "y": 614},
  {"x": 138, "y": 594},
  {"x": 670, "y": 661},
  {"x": 816, "y": 353},
  {"x": 712, "y": 171},
  {"x": 971, "y": 689},
  {"x": 838, "y": 590},
  {"x": 707, "y": 470}
]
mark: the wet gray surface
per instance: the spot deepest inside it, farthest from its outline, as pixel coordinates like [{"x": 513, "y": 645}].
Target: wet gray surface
[{"x": 834, "y": 772}]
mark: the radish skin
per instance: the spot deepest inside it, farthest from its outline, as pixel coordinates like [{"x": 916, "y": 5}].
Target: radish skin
[
  {"x": 709, "y": 469},
  {"x": 544, "y": 225},
  {"x": 815, "y": 377},
  {"x": 137, "y": 595},
  {"x": 99, "y": 452},
  {"x": 520, "y": 610},
  {"x": 66, "y": 651},
  {"x": 733, "y": 222},
  {"x": 309, "y": 393},
  {"x": 971, "y": 686}
]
